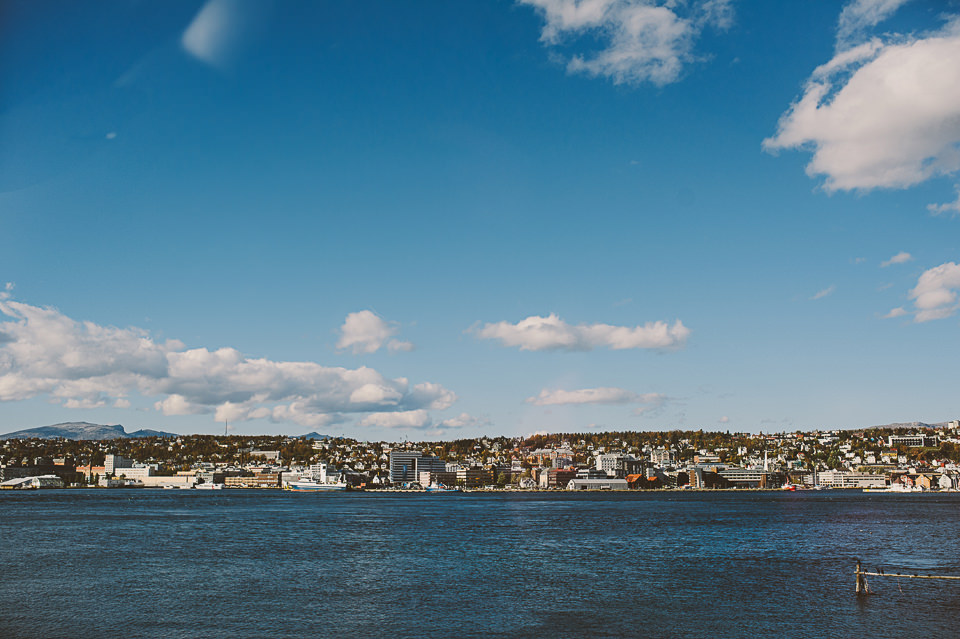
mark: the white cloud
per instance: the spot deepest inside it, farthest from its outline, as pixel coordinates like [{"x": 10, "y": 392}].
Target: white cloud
[
  {"x": 537, "y": 333},
  {"x": 859, "y": 16},
  {"x": 639, "y": 40},
  {"x": 407, "y": 419},
  {"x": 895, "y": 312},
  {"x": 821, "y": 294},
  {"x": 583, "y": 396},
  {"x": 953, "y": 208},
  {"x": 935, "y": 295},
  {"x": 724, "y": 420},
  {"x": 899, "y": 258},
  {"x": 396, "y": 346},
  {"x": 366, "y": 332},
  {"x": 83, "y": 364},
  {"x": 220, "y": 29},
  {"x": 884, "y": 114},
  {"x": 463, "y": 420},
  {"x": 650, "y": 402}
]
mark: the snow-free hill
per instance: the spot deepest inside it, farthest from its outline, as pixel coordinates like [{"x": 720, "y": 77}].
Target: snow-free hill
[{"x": 83, "y": 430}]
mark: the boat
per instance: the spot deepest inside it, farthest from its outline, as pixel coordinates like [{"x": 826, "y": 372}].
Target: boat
[
  {"x": 440, "y": 488},
  {"x": 308, "y": 485},
  {"x": 208, "y": 486}
]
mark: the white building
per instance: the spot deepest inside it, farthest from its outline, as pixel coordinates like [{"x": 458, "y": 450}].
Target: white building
[
  {"x": 608, "y": 463},
  {"x": 597, "y": 484},
  {"x": 845, "y": 479}
]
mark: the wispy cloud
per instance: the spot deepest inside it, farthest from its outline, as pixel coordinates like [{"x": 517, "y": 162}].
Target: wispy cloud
[
  {"x": 896, "y": 312},
  {"x": 899, "y": 258},
  {"x": 827, "y": 291},
  {"x": 952, "y": 208},
  {"x": 464, "y": 420},
  {"x": 220, "y": 29},
  {"x": 537, "y": 333},
  {"x": 881, "y": 114},
  {"x": 639, "y": 40},
  {"x": 83, "y": 364},
  {"x": 583, "y": 396},
  {"x": 406, "y": 419},
  {"x": 861, "y": 15},
  {"x": 367, "y": 332},
  {"x": 649, "y": 402}
]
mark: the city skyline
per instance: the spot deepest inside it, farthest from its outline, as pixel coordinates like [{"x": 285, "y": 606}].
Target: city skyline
[{"x": 439, "y": 220}]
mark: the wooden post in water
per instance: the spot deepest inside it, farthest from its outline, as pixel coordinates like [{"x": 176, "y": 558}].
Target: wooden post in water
[{"x": 860, "y": 588}]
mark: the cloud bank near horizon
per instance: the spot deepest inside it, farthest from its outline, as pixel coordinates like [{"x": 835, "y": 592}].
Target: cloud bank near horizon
[{"x": 81, "y": 364}]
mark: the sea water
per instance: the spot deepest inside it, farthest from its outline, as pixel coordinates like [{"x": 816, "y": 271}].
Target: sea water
[{"x": 256, "y": 563}]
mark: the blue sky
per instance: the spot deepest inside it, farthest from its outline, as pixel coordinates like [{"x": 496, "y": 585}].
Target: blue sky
[{"x": 441, "y": 219}]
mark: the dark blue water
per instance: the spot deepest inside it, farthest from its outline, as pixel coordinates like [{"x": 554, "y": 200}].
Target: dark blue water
[{"x": 140, "y": 563}]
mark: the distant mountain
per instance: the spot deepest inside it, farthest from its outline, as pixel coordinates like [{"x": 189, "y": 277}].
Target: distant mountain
[
  {"x": 316, "y": 436},
  {"x": 913, "y": 425},
  {"x": 83, "y": 430}
]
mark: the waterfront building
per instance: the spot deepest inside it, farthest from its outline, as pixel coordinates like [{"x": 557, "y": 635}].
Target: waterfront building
[
  {"x": 403, "y": 466},
  {"x": 260, "y": 480},
  {"x": 112, "y": 463},
  {"x": 475, "y": 477},
  {"x": 746, "y": 478},
  {"x": 135, "y": 472},
  {"x": 438, "y": 478},
  {"x": 41, "y": 481},
  {"x": 430, "y": 464},
  {"x": 597, "y": 484},
  {"x": 406, "y": 466},
  {"x": 556, "y": 477},
  {"x": 847, "y": 479}
]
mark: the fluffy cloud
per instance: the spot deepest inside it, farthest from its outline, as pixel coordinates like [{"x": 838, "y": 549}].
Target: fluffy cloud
[
  {"x": 537, "y": 333},
  {"x": 83, "y": 364},
  {"x": 640, "y": 40},
  {"x": 899, "y": 258},
  {"x": 896, "y": 312},
  {"x": 883, "y": 114},
  {"x": 366, "y": 332},
  {"x": 935, "y": 295}
]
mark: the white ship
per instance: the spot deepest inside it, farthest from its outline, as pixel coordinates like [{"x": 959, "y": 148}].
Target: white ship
[{"x": 310, "y": 485}]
